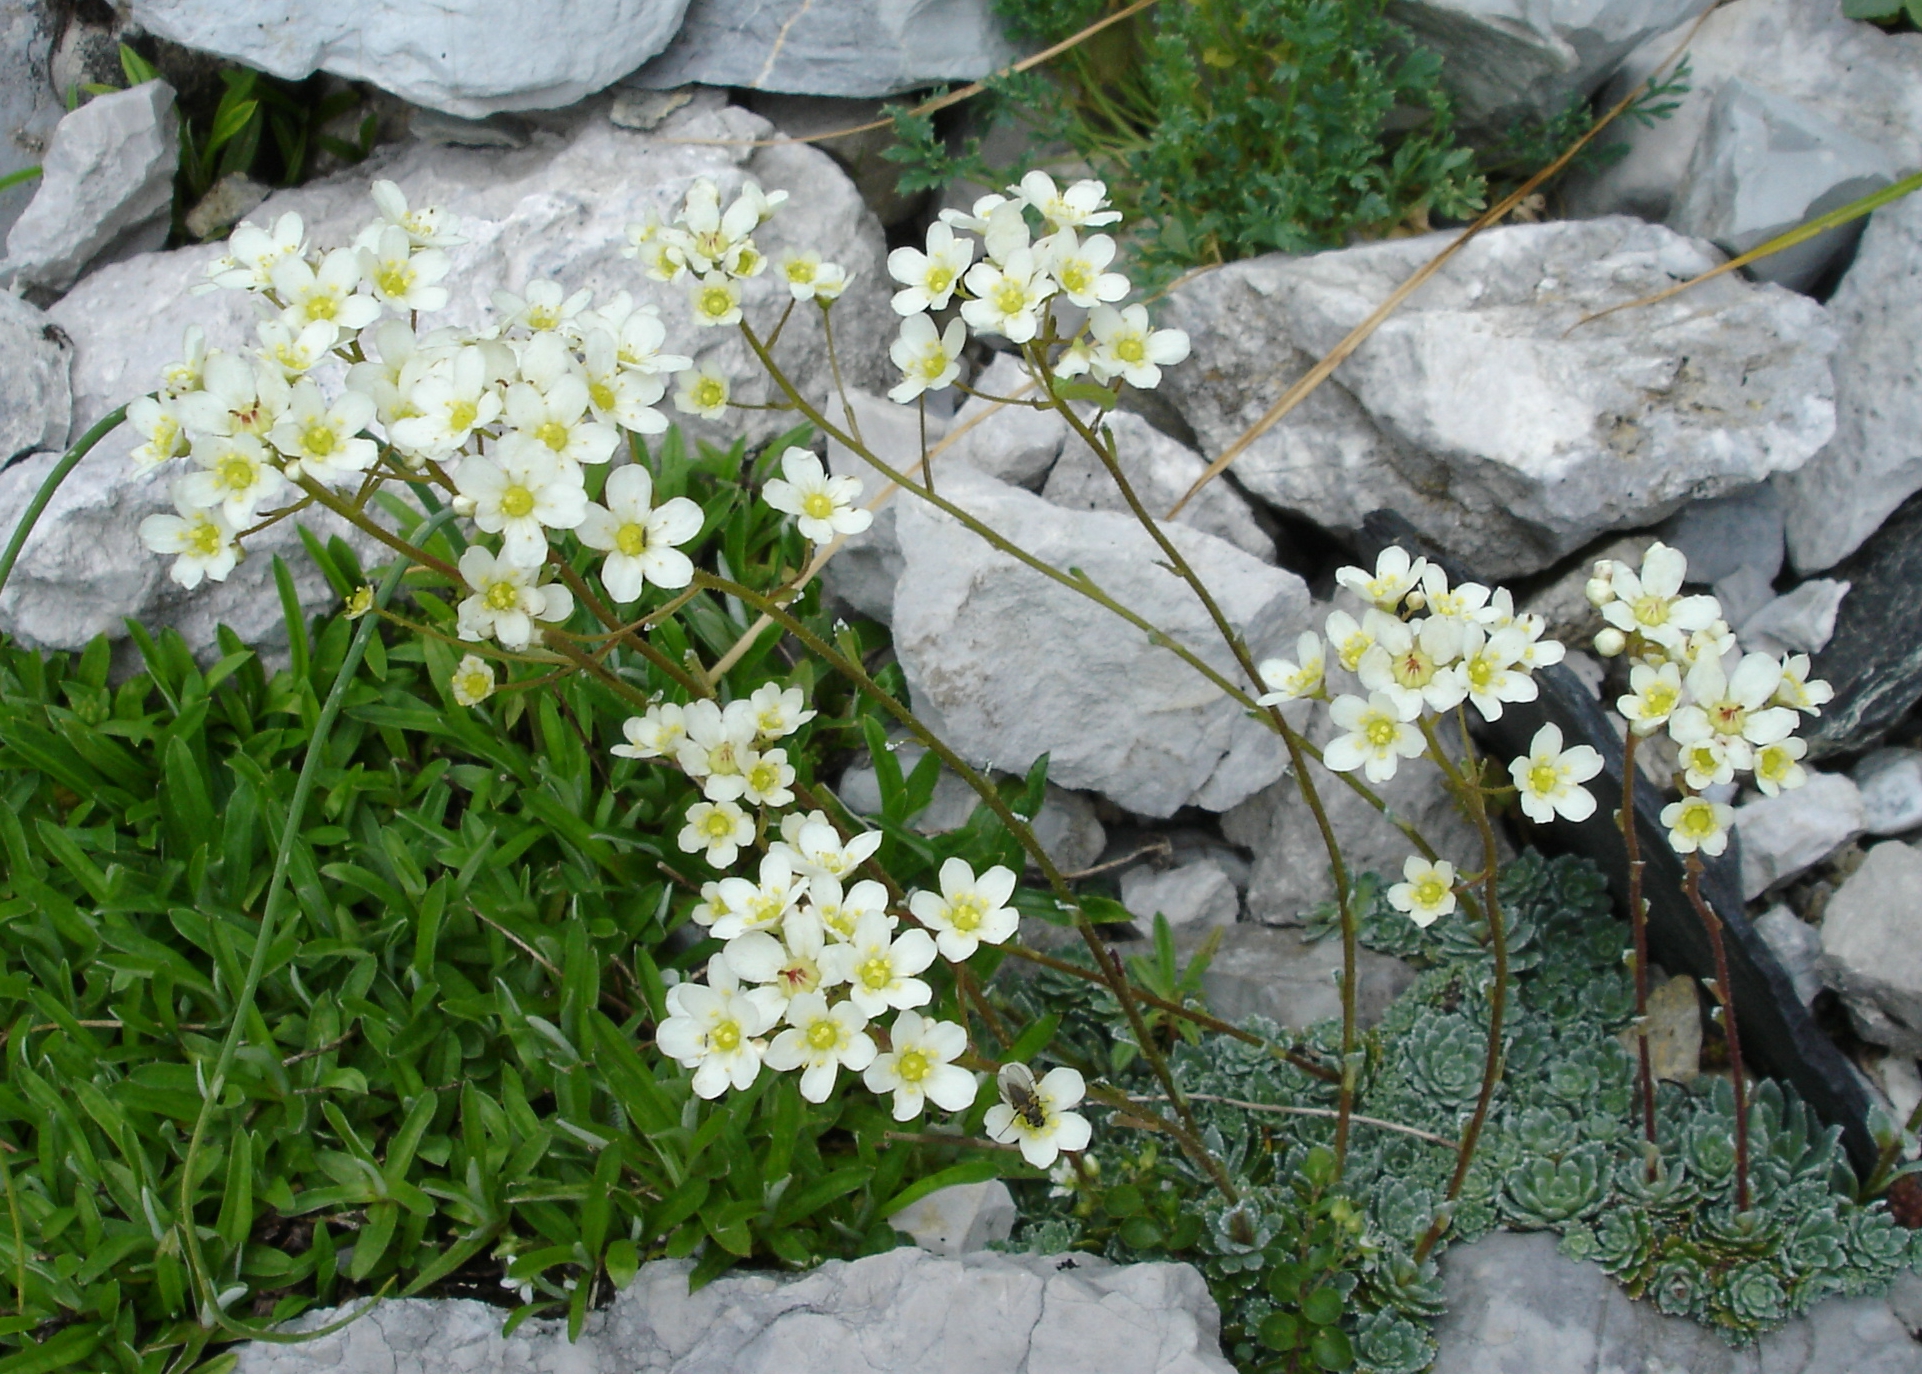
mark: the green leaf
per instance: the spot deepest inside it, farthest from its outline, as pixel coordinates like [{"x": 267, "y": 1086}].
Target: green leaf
[
  {"x": 1322, "y": 1307},
  {"x": 136, "y": 68},
  {"x": 1281, "y": 1331},
  {"x": 1871, "y": 9},
  {"x": 1092, "y": 393},
  {"x": 230, "y": 119},
  {"x": 622, "y": 1260},
  {"x": 1332, "y": 1350}
]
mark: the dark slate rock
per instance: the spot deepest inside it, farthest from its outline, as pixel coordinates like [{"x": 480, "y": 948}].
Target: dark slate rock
[{"x": 1874, "y": 658}]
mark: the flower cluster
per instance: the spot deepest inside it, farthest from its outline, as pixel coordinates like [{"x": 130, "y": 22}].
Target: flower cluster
[
  {"x": 1728, "y": 713},
  {"x": 1018, "y": 282}
]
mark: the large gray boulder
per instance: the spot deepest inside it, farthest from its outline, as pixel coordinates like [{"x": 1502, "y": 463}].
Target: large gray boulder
[
  {"x": 1844, "y": 493},
  {"x": 556, "y": 209},
  {"x": 106, "y": 187},
  {"x": 35, "y": 400},
  {"x": 1872, "y": 947},
  {"x": 467, "y": 57},
  {"x": 1516, "y": 1305},
  {"x": 1007, "y": 664},
  {"x": 1480, "y": 411},
  {"x": 1844, "y": 71},
  {"x": 1507, "y": 59},
  {"x": 902, "y": 1312},
  {"x": 29, "y": 107},
  {"x": 831, "y": 47}
]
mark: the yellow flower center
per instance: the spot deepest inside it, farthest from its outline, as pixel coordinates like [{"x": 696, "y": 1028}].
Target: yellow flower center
[
  {"x": 1352, "y": 648},
  {"x": 235, "y": 472},
  {"x": 1774, "y": 765},
  {"x": 554, "y": 434},
  {"x": 1413, "y": 668},
  {"x": 476, "y": 686},
  {"x": 502, "y": 596},
  {"x": 817, "y": 505},
  {"x": 709, "y": 393},
  {"x": 965, "y": 913},
  {"x": 203, "y": 539},
  {"x": 602, "y": 395},
  {"x": 913, "y": 1066},
  {"x": 319, "y": 440},
  {"x": 763, "y": 777},
  {"x": 1697, "y": 820},
  {"x": 823, "y": 1035},
  {"x": 725, "y": 1037},
  {"x": 516, "y": 502},
  {"x": 746, "y": 259},
  {"x": 461, "y": 415},
  {"x": 1651, "y": 610},
  {"x": 322, "y": 307},
  {"x": 1702, "y": 759},
  {"x": 1010, "y": 298},
  {"x": 1728, "y": 716},
  {"x": 1132, "y": 349},
  {"x": 1481, "y": 672},
  {"x": 1076, "y": 277},
  {"x": 718, "y": 825},
  {"x": 631, "y": 540},
  {"x": 1659, "y": 699},
  {"x": 939, "y": 279},
  {"x": 933, "y": 363},
  {"x": 395, "y": 279},
  {"x": 543, "y": 317},
  {"x": 716, "y": 301},
  {"x": 1431, "y": 892},
  {"x": 1544, "y": 778},
  {"x": 800, "y": 271},
  {"x": 875, "y": 973},
  {"x": 722, "y": 758},
  {"x": 1380, "y": 731}
]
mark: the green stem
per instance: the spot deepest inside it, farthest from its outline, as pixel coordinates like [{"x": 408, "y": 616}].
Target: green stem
[
  {"x": 102, "y": 427},
  {"x": 1638, "y": 927},
  {"x": 1884, "y": 1162}
]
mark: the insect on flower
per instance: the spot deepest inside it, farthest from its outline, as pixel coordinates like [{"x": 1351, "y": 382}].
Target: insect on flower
[{"x": 1016, "y": 1082}]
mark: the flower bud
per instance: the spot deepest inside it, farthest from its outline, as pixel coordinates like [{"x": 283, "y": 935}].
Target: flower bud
[
  {"x": 1599, "y": 591},
  {"x": 1610, "y": 642},
  {"x": 463, "y": 506}
]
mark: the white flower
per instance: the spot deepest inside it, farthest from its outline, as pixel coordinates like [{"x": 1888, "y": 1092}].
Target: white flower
[
  {"x": 879, "y": 967},
  {"x": 545, "y": 307},
  {"x": 178, "y": 378},
  {"x": 428, "y": 227},
  {"x": 715, "y": 299},
  {"x": 1288, "y": 681},
  {"x": 778, "y": 711},
  {"x": 1083, "y": 204},
  {"x": 1394, "y": 577},
  {"x": 840, "y": 915},
  {"x": 717, "y": 747},
  {"x": 968, "y": 912},
  {"x": 253, "y": 253},
  {"x": 554, "y": 417},
  {"x": 473, "y": 680},
  {"x": 1650, "y": 603},
  {"x": 158, "y": 422},
  {"x": 708, "y": 236},
  {"x": 617, "y": 394},
  {"x": 1698, "y": 823},
  {"x": 916, "y": 1067},
  {"x": 1427, "y": 891},
  {"x": 201, "y": 540},
  {"x": 824, "y": 505},
  {"x": 656, "y": 733},
  {"x": 721, "y": 828},
  {"x": 928, "y": 279},
  {"x": 808, "y": 278},
  {"x": 1077, "y": 268},
  {"x": 1778, "y": 766},
  {"x": 403, "y": 277},
  {"x": 1549, "y": 778},
  {"x": 1351, "y": 640},
  {"x": 1654, "y": 693},
  {"x": 1709, "y": 762},
  {"x": 767, "y": 780},
  {"x": 507, "y": 599},
  {"x": 1126, "y": 347},
  {"x": 929, "y": 359},
  {"x": 326, "y": 293},
  {"x": 1470, "y": 603},
  {"x": 820, "y": 1041},
  {"x": 520, "y": 494},
  {"x": 1035, "y": 1115},
  {"x": 820, "y": 849},
  {"x": 638, "y": 336},
  {"x": 296, "y": 352},
  {"x": 712, "y": 1030},
  {"x": 639, "y": 537},
  {"x": 1796, "y": 691},
  {"x": 1379, "y": 736},
  {"x": 704, "y": 392},
  {"x": 1409, "y": 665},
  {"x": 234, "y": 475},
  {"x": 761, "y": 904},
  {"x": 1733, "y": 706},
  {"x": 999, "y": 221},
  {"x": 449, "y": 404},
  {"x": 323, "y": 441},
  {"x": 238, "y": 395},
  {"x": 1008, "y": 296},
  {"x": 1489, "y": 669}
]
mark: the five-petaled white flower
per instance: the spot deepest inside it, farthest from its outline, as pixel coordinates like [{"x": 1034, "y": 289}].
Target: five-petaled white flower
[
  {"x": 1698, "y": 823},
  {"x": 713, "y": 1030},
  {"x": 1797, "y": 692},
  {"x": 928, "y": 279},
  {"x": 508, "y": 598},
  {"x": 1394, "y": 577},
  {"x": 1379, "y": 736},
  {"x": 1082, "y": 204},
  {"x": 719, "y": 828},
  {"x": 1778, "y": 766},
  {"x": 1409, "y": 664},
  {"x": 1079, "y": 268},
  {"x": 1008, "y": 296},
  {"x": 1126, "y": 347},
  {"x": 879, "y": 967},
  {"x": 1650, "y": 603},
  {"x": 716, "y": 747},
  {"x": 158, "y": 422},
  {"x": 1288, "y": 681},
  {"x": 810, "y": 279},
  {"x": 449, "y": 405},
  {"x": 1734, "y": 707},
  {"x": 428, "y": 227},
  {"x": 820, "y": 1041},
  {"x": 323, "y": 441},
  {"x": 917, "y": 1067},
  {"x": 929, "y": 359},
  {"x": 1654, "y": 693},
  {"x": 618, "y": 394},
  {"x": 655, "y": 734},
  {"x": 824, "y": 505},
  {"x": 404, "y": 278},
  {"x": 704, "y": 392},
  {"x": 545, "y": 307},
  {"x": 472, "y": 682},
  {"x": 324, "y": 293},
  {"x": 200, "y": 538},
  {"x": 968, "y": 912},
  {"x": 1426, "y": 892},
  {"x": 520, "y": 494},
  {"x": 1035, "y": 1113},
  {"x": 639, "y": 536},
  {"x": 1491, "y": 668},
  {"x": 234, "y": 475},
  {"x": 555, "y": 418},
  {"x": 715, "y": 299},
  {"x": 778, "y": 711},
  {"x": 1549, "y": 778}
]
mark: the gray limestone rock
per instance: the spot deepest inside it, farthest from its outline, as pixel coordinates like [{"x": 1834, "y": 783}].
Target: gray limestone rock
[
  {"x": 1161, "y": 470},
  {"x": 29, "y": 106},
  {"x": 1518, "y": 1306},
  {"x": 556, "y": 209},
  {"x": 105, "y": 191},
  {"x": 466, "y": 57},
  {"x": 1507, "y": 59},
  {"x": 1850, "y": 73},
  {"x": 960, "y": 1219},
  {"x": 831, "y": 47},
  {"x": 902, "y": 1312},
  {"x": 35, "y": 398},
  {"x": 1008, "y": 664},
  {"x": 1258, "y": 971},
  {"x": 1193, "y": 894},
  {"x": 1013, "y": 443},
  {"x": 1838, "y": 498},
  {"x": 1797, "y": 946},
  {"x": 1872, "y": 946},
  {"x": 1785, "y": 834},
  {"x": 1891, "y": 784},
  {"x": 227, "y": 202},
  {"x": 1724, "y": 535},
  {"x": 1726, "y": 385},
  {"x": 1766, "y": 163},
  {"x": 1797, "y": 622}
]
